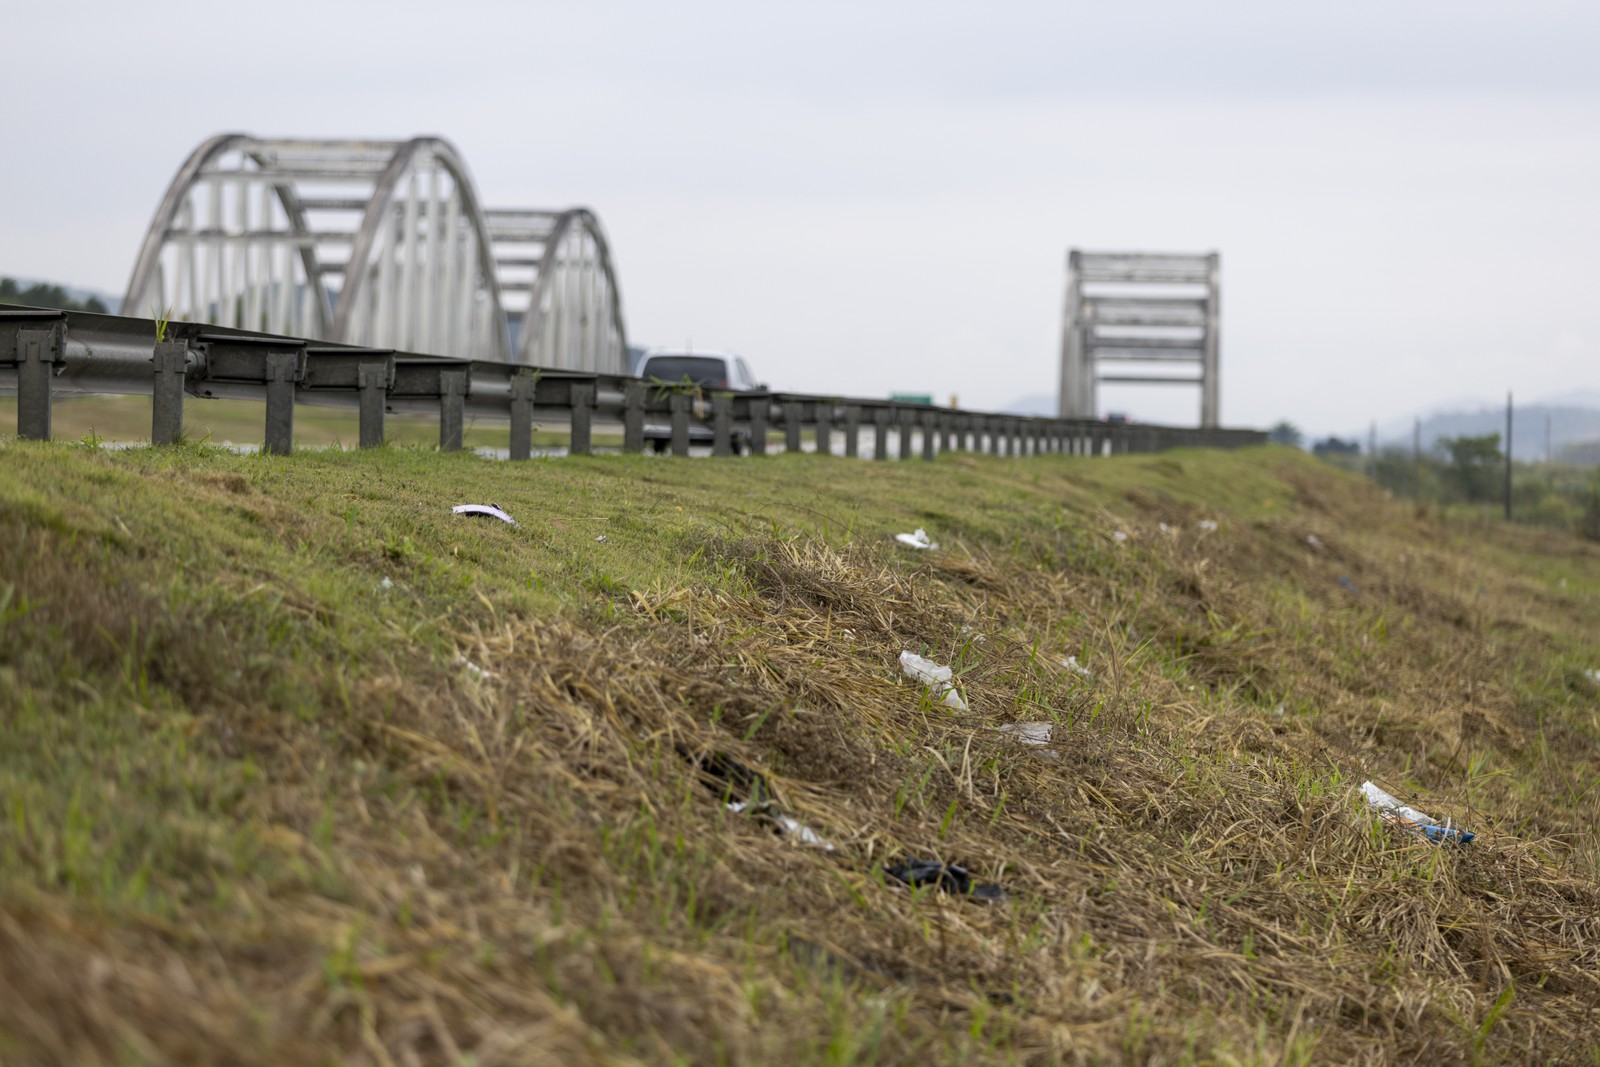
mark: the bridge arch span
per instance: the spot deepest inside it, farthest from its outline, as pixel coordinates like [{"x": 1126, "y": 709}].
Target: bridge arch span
[{"x": 379, "y": 243}]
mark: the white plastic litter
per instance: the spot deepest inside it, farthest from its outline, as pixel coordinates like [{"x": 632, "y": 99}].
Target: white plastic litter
[
  {"x": 601, "y": 539},
  {"x": 935, "y": 677},
  {"x": 1168, "y": 529},
  {"x": 1391, "y": 810},
  {"x": 916, "y": 540},
  {"x": 489, "y": 510},
  {"x": 790, "y": 827},
  {"x": 1119, "y": 537},
  {"x": 973, "y": 635},
  {"x": 1313, "y": 540},
  {"x": 386, "y": 584},
  {"x": 1071, "y": 663},
  {"x": 1029, "y": 733},
  {"x": 472, "y": 669},
  {"x": 1208, "y": 525},
  {"x": 1593, "y": 674}
]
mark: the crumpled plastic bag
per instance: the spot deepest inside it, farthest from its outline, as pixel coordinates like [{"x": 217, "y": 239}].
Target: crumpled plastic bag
[
  {"x": 917, "y": 540},
  {"x": 933, "y": 675},
  {"x": 1390, "y": 810}
]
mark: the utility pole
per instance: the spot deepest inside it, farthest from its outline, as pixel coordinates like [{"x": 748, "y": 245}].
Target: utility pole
[
  {"x": 1416, "y": 459},
  {"x": 1508, "y": 455}
]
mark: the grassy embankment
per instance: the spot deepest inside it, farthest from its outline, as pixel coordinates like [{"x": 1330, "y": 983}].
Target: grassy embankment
[{"x": 257, "y": 809}]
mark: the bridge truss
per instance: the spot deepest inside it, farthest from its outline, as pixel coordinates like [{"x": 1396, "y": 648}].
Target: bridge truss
[
  {"x": 1154, "y": 314},
  {"x": 383, "y": 244}
]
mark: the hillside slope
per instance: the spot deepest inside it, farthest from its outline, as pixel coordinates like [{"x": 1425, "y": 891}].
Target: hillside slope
[{"x": 300, "y": 767}]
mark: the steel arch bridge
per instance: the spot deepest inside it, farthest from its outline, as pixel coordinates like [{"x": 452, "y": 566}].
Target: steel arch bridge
[{"x": 377, "y": 243}]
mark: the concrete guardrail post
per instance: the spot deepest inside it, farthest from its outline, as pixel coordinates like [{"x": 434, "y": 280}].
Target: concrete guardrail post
[
  {"x": 852, "y": 430},
  {"x": 880, "y": 433},
  {"x": 522, "y": 391},
  {"x": 452, "y": 409},
  {"x": 792, "y": 410},
  {"x": 930, "y": 433},
  {"x": 722, "y": 424},
  {"x": 824, "y": 427},
  {"x": 633, "y": 417},
  {"x": 372, "y": 386},
  {"x": 581, "y": 397},
  {"x": 678, "y": 404},
  {"x": 38, "y": 351},
  {"x": 281, "y": 371},
  {"x": 760, "y": 413},
  {"x": 170, "y": 363}
]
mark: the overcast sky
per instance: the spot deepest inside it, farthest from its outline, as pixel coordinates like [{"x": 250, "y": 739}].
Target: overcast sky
[{"x": 865, "y": 197}]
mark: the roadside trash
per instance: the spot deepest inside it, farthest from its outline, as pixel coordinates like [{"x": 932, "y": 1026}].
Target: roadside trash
[
  {"x": 1119, "y": 537},
  {"x": 386, "y": 584},
  {"x": 727, "y": 777},
  {"x": 1593, "y": 675},
  {"x": 769, "y": 813},
  {"x": 1208, "y": 525},
  {"x": 1029, "y": 733},
  {"x": 946, "y": 876},
  {"x": 601, "y": 539},
  {"x": 491, "y": 511},
  {"x": 472, "y": 669},
  {"x": 916, "y": 540},
  {"x": 1313, "y": 540},
  {"x": 976, "y": 637},
  {"x": 1071, "y": 663},
  {"x": 1346, "y": 583},
  {"x": 934, "y": 676},
  {"x": 1173, "y": 530},
  {"x": 1392, "y": 811}
]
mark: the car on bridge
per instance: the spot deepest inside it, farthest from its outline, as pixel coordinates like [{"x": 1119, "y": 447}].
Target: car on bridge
[{"x": 708, "y": 372}]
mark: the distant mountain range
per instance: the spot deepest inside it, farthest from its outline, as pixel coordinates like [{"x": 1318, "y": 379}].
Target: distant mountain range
[{"x": 1566, "y": 427}]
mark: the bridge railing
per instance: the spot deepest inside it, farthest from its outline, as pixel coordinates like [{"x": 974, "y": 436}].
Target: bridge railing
[{"x": 47, "y": 353}]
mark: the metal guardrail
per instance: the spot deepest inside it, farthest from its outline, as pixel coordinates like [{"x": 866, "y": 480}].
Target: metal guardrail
[{"x": 45, "y": 353}]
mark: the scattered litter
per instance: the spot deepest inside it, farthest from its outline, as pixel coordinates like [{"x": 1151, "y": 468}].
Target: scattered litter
[
  {"x": 387, "y": 583},
  {"x": 916, "y": 540},
  {"x": 1279, "y": 709},
  {"x": 491, "y": 511},
  {"x": 1562, "y": 585},
  {"x": 1119, "y": 537},
  {"x": 1029, "y": 733},
  {"x": 946, "y": 876},
  {"x": 472, "y": 669},
  {"x": 977, "y": 638},
  {"x": 784, "y": 824},
  {"x": 1071, "y": 663},
  {"x": 1313, "y": 540},
  {"x": 935, "y": 677},
  {"x": 1208, "y": 525},
  {"x": 727, "y": 776},
  {"x": 1173, "y": 530},
  {"x": 1392, "y": 811},
  {"x": 601, "y": 539},
  {"x": 1593, "y": 675},
  {"x": 1345, "y": 582}
]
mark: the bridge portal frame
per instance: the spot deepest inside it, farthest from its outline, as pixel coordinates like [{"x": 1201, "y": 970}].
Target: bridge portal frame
[{"x": 1150, "y": 309}]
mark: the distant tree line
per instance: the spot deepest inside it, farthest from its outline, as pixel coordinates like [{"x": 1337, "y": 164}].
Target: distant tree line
[
  {"x": 1469, "y": 471},
  {"x": 41, "y": 295}
]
